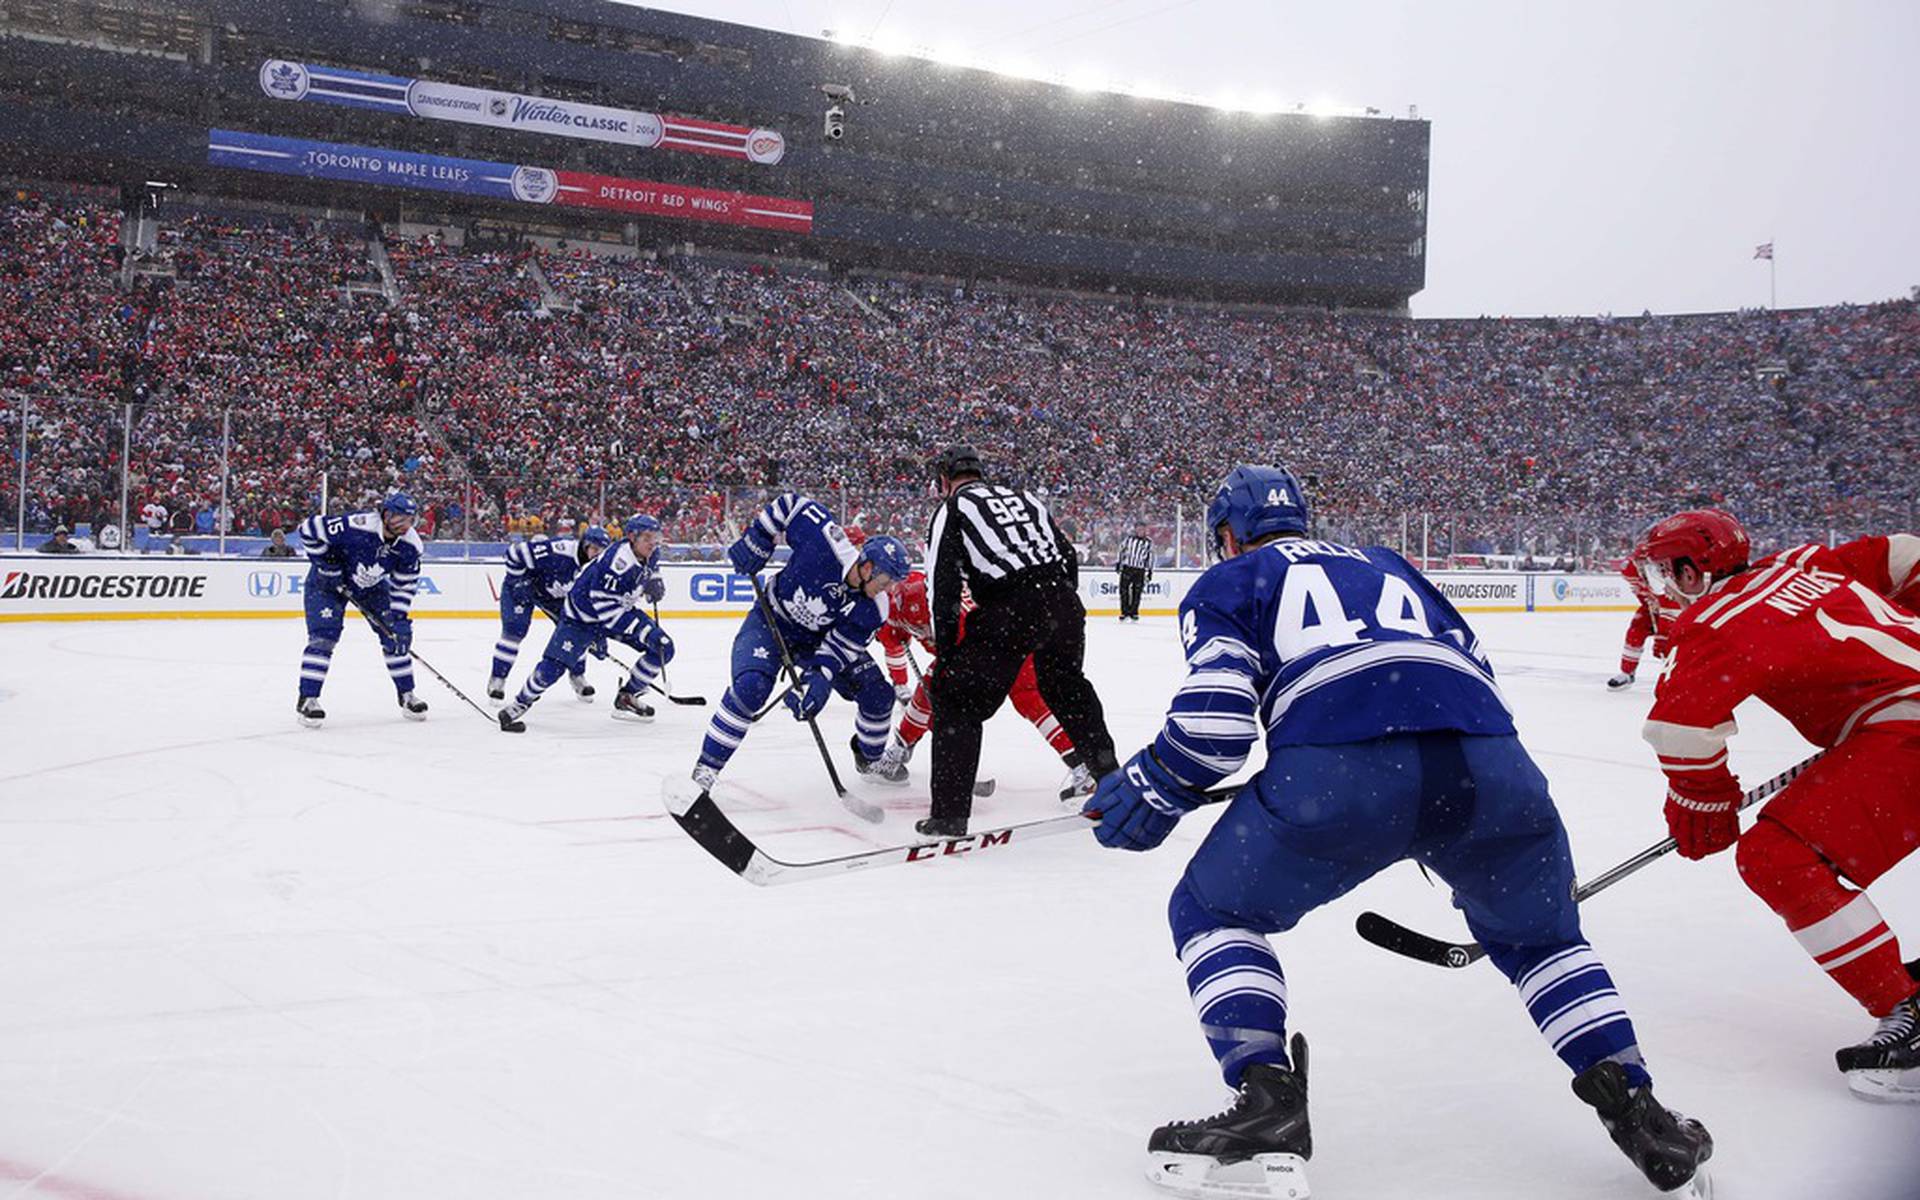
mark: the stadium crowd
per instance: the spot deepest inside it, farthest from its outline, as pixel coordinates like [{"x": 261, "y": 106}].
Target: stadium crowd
[{"x": 509, "y": 388}]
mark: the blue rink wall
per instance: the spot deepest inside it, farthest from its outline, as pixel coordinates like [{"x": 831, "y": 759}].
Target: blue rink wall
[{"x": 85, "y": 587}]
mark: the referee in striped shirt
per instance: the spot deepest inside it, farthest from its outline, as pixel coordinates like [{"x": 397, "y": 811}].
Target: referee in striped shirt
[
  {"x": 1136, "y": 568},
  {"x": 1001, "y": 546}
]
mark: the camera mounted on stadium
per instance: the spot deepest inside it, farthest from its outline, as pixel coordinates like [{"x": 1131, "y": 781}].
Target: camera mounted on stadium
[{"x": 834, "y": 127}]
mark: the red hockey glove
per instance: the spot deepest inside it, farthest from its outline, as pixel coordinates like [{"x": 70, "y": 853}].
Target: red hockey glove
[{"x": 1703, "y": 813}]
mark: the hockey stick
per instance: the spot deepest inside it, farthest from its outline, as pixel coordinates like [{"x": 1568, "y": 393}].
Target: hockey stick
[
  {"x": 386, "y": 634},
  {"x": 662, "y": 686},
  {"x": 1391, "y": 935},
  {"x": 853, "y": 804},
  {"x": 617, "y": 661},
  {"x": 695, "y": 812},
  {"x": 982, "y": 788}
]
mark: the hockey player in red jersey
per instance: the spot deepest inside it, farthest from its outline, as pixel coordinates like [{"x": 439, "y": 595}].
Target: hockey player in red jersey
[
  {"x": 1648, "y": 632},
  {"x": 908, "y": 619},
  {"x": 1828, "y": 639}
]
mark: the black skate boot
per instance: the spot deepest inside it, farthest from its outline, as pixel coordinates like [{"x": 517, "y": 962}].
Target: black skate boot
[
  {"x": 628, "y": 706},
  {"x": 1887, "y": 1065},
  {"x": 510, "y": 721},
  {"x": 885, "y": 769},
  {"x": 581, "y": 687},
  {"x": 1667, "y": 1147},
  {"x": 308, "y": 709},
  {"x": 1258, "y": 1147},
  {"x": 941, "y": 827},
  {"x": 497, "y": 689},
  {"x": 412, "y": 707}
]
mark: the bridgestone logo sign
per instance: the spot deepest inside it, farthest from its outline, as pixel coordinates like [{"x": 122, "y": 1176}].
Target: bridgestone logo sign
[
  {"x": 1493, "y": 590},
  {"x": 25, "y": 585}
]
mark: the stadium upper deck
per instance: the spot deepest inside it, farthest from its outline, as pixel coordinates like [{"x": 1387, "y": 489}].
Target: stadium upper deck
[{"x": 653, "y": 127}]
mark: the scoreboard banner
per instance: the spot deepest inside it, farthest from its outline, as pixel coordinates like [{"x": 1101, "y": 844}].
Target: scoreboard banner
[
  {"x": 503, "y": 181},
  {"x": 424, "y": 98}
]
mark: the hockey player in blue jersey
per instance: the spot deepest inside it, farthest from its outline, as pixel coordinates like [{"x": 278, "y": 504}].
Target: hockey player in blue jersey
[
  {"x": 1387, "y": 738},
  {"x": 370, "y": 560},
  {"x": 829, "y": 599},
  {"x": 540, "y": 573},
  {"x": 606, "y": 603}
]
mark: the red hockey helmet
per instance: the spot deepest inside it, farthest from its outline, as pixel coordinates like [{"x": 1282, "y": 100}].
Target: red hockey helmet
[
  {"x": 907, "y": 603},
  {"x": 1686, "y": 552}
]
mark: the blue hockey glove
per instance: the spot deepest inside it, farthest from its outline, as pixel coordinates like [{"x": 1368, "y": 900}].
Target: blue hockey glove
[
  {"x": 750, "y": 552},
  {"x": 400, "y": 629},
  {"x": 809, "y": 696},
  {"x": 655, "y": 589},
  {"x": 656, "y": 642},
  {"x": 1140, "y": 804}
]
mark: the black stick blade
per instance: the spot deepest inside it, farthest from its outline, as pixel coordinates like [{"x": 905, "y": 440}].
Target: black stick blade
[
  {"x": 1390, "y": 935},
  {"x": 695, "y": 812}
]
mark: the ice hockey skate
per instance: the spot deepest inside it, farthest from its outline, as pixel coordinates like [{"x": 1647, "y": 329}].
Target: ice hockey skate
[
  {"x": 1077, "y": 786},
  {"x": 581, "y": 687},
  {"x": 497, "y": 690},
  {"x": 1257, "y": 1149},
  {"x": 1886, "y": 1067},
  {"x": 510, "y": 721},
  {"x": 1668, "y": 1148},
  {"x": 889, "y": 768},
  {"x": 628, "y": 706},
  {"x": 1620, "y": 682},
  {"x": 308, "y": 709},
  {"x": 412, "y": 707}
]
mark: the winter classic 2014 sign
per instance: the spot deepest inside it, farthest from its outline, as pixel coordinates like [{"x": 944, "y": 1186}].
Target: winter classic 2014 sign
[{"x": 435, "y": 101}]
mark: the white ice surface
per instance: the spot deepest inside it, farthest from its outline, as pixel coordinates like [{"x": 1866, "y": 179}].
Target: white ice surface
[{"x": 243, "y": 959}]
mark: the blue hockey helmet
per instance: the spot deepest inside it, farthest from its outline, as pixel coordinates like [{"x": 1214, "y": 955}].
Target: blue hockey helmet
[
  {"x": 400, "y": 503},
  {"x": 640, "y": 523},
  {"x": 597, "y": 537},
  {"x": 1257, "y": 502},
  {"x": 888, "y": 557}
]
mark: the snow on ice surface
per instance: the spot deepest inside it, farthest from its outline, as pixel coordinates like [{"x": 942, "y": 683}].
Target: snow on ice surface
[{"x": 244, "y": 959}]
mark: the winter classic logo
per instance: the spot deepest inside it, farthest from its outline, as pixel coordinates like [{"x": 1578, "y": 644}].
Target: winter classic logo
[
  {"x": 534, "y": 185},
  {"x": 283, "y": 80},
  {"x": 30, "y": 585}
]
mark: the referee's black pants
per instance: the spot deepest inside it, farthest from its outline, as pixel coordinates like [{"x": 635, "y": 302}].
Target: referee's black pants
[
  {"x": 1039, "y": 616},
  {"x": 1133, "y": 582}
]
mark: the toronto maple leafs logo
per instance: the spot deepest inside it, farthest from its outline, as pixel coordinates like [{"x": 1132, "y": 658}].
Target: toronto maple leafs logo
[
  {"x": 807, "y": 610},
  {"x": 283, "y": 80}
]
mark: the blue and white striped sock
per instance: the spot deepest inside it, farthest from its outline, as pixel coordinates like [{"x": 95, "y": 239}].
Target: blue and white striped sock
[
  {"x": 726, "y": 730},
  {"x": 313, "y": 667},
  {"x": 1571, "y": 997},
  {"x": 1240, "y": 995},
  {"x": 504, "y": 652}
]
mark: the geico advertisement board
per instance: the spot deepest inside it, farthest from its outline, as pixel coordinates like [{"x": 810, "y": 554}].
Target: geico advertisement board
[{"x": 38, "y": 586}]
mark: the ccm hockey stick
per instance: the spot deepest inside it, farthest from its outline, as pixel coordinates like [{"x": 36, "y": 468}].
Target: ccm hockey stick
[
  {"x": 981, "y": 787},
  {"x": 696, "y": 813},
  {"x": 1391, "y": 935}
]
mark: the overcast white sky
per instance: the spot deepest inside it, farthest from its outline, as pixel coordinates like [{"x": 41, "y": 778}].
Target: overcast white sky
[{"x": 1587, "y": 158}]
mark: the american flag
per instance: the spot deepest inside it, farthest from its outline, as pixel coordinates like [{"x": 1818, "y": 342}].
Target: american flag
[{"x": 1764, "y": 250}]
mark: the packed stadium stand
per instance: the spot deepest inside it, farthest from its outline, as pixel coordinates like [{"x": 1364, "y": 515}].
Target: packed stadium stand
[
  {"x": 510, "y": 387},
  {"x": 431, "y": 245}
]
